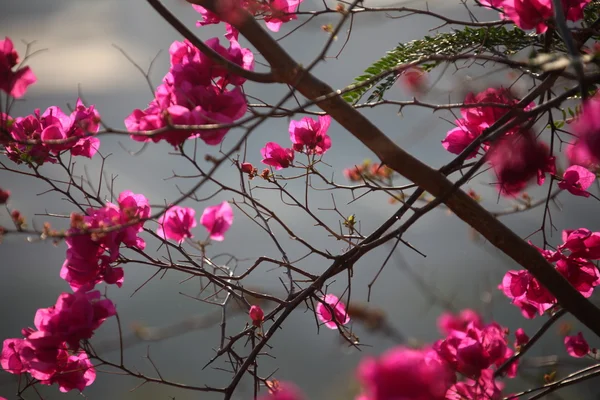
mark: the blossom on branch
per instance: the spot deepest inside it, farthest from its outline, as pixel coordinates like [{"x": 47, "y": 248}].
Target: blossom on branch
[
  {"x": 13, "y": 82},
  {"x": 275, "y": 12},
  {"x": 276, "y": 156},
  {"x": 576, "y": 345},
  {"x": 90, "y": 255},
  {"x": 576, "y": 180},
  {"x": 195, "y": 91},
  {"x": 176, "y": 223},
  {"x": 217, "y": 220},
  {"x": 310, "y": 136},
  {"x": 54, "y": 132},
  {"x": 530, "y": 14},
  {"x": 339, "y": 316},
  {"x": 476, "y": 119}
]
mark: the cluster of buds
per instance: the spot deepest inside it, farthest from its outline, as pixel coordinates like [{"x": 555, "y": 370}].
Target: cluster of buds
[
  {"x": 368, "y": 171},
  {"x": 252, "y": 171}
]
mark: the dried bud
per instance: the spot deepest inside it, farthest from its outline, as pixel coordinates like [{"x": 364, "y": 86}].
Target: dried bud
[
  {"x": 265, "y": 173},
  {"x": 340, "y": 8},
  {"x": 77, "y": 221},
  {"x": 247, "y": 168},
  {"x": 18, "y": 219}
]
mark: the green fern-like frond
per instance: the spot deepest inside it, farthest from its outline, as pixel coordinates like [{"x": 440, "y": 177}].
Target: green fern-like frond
[{"x": 497, "y": 39}]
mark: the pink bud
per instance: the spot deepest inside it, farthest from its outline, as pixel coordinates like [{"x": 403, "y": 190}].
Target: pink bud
[
  {"x": 247, "y": 168},
  {"x": 522, "y": 337},
  {"x": 4, "y": 195},
  {"x": 257, "y": 315}
]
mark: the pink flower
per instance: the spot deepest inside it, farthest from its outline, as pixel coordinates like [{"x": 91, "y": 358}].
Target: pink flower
[
  {"x": 339, "y": 312},
  {"x": 517, "y": 159},
  {"x": 282, "y": 11},
  {"x": 407, "y": 374},
  {"x": 72, "y": 133},
  {"x": 74, "y": 372},
  {"x": 576, "y": 345},
  {"x": 195, "y": 91},
  {"x": 257, "y": 315},
  {"x": 475, "y": 120},
  {"x": 276, "y": 156},
  {"x": 581, "y": 243},
  {"x": 176, "y": 223},
  {"x": 89, "y": 255},
  {"x": 310, "y": 134},
  {"x": 529, "y": 14},
  {"x": 474, "y": 349},
  {"x": 522, "y": 338},
  {"x": 527, "y": 293},
  {"x": 485, "y": 387},
  {"x": 36, "y": 354},
  {"x": 577, "y": 180},
  {"x": 14, "y": 83},
  {"x": 75, "y": 317},
  {"x": 448, "y": 322},
  {"x": 580, "y": 273},
  {"x": 217, "y": 220},
  {"x": 4, "y": 195}
]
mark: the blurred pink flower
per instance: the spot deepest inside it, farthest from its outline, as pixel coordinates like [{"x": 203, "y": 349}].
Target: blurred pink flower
[
  {"x": 448, "y": 322},
  {"x": 407, "y": 374}
]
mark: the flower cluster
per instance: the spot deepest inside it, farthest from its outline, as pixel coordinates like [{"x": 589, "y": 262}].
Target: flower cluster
[
  {"x": 195, "y": 91},
  {"x": 13, "y": 82},
  {"x": 90, "y": 255},
  {"x": 52, "y": 353},
  {"x": 470, "y": 349},
  {"x": 572, "y": 260},
  {"x": 308, "y": 136},
  {"x": 530, "y": 14},
  {"x": 39, "y": 138},
  {"x": 368, "y": 170},
  {"x": 275, "y": 12},
  {"x": 475, "y": 348},
  {"x": 477, "y": 118}
]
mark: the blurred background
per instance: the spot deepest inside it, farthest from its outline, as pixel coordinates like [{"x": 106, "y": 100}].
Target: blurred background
[{"x": 79, "y": 37}]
